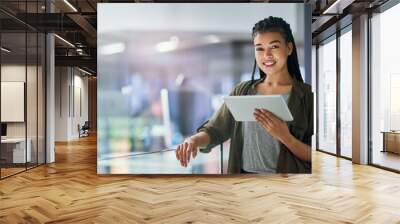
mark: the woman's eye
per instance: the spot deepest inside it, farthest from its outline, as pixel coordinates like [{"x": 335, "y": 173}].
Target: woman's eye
[
  {"x": 259, "y": 49},
  {"x": 274, "y": 46}
]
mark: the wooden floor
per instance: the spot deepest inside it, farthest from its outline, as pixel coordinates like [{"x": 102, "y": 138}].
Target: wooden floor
[
  {"x": 10, "y": 171},
  {"x": 5, "y": 172},
  {"x": 70, "y": 191}
]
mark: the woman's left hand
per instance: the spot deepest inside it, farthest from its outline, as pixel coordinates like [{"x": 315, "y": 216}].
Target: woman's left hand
[{"x": 271, "y": 123}]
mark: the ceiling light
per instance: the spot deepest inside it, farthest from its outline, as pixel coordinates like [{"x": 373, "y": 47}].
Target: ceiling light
[
  {"x": 70, "y": 5},
  {"x": 113, "y": 48},
  {"x": 5, "y": 49},
  {"x": 212, "y": 38},
  {"x": 166, "y": 46},
  {"x": 64, "y": 40},
  {"x": 337, "y": 7},
  {"x": 84, "y": 71}
]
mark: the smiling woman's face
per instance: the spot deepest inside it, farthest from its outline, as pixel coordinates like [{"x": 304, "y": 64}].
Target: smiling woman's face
[{"x": 271, "y": 52}]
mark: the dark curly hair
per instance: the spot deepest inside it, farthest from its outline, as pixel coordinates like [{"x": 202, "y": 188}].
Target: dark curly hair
[{"x": 276, "y": 24}]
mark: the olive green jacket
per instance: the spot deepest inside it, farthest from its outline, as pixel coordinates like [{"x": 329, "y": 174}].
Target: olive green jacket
[{"x": 222, "y": 126}]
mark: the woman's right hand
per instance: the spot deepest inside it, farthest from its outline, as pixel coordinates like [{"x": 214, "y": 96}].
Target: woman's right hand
[{"x": 185, "y": 150}]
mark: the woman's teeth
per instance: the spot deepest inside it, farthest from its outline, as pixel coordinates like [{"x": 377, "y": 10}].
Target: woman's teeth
[{"x": 269, "y": 63}]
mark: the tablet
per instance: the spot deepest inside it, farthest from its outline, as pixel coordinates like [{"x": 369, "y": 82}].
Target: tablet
[{"x": 242, "y": 107}]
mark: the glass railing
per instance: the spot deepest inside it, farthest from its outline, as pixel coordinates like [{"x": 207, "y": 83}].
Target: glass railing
[{"x": 161, "y": 162}]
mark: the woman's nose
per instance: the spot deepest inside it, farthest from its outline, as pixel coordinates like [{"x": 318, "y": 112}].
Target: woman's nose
[{"x": 267, "y": 53}]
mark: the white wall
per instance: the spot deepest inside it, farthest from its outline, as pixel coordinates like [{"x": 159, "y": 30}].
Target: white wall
[
  {"x": 33, "y": 126},
  {"x": 13, "y": 72},
  {"x": 62, "y": 81},
  {"x": 70, "y": 83},
  {"x": 79, "y": 117},
  {"x": 12, "y": 101},
  {"x": 16, "y": 73}
]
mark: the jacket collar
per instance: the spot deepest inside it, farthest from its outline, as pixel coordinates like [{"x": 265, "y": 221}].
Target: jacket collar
[{"x": 297, "y": 89}]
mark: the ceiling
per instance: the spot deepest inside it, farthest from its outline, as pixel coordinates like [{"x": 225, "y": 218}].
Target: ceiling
[{"x": 76, "y": 21}]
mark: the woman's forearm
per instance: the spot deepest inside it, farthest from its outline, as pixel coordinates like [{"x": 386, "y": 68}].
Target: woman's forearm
[
  {"x": 298, "y": 148},
  {"x": 201, "y": 139}
]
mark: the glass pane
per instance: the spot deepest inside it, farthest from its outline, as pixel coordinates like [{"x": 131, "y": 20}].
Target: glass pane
[
  {"x": 20, "y": 78},
  {"x": 31, "y": 97},
  {"x": 41, "y": 98},
  {"x": 385, "y": 84},
  {"x": 313, "y": 86},
  {"x": 13, "y": 86},
  {"x": 346, "y": 94},
  {"x": 31, "y": 84},
  {"x": 327, "y": 96}
]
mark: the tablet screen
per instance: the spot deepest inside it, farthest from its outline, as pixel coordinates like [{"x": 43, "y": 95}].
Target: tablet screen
[{"x": 242, "y": 107}]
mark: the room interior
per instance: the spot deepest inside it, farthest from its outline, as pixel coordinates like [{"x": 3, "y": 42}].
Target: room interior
[{"x": 48, "y": 170}]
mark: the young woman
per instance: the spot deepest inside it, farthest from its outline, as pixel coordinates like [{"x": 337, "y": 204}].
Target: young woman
[{"x": 268, "y": 145}]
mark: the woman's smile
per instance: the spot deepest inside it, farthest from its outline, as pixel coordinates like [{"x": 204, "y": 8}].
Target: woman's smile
[{"x": 269, "y": 63}]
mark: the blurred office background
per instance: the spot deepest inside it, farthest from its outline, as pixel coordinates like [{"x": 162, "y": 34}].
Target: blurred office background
[{"x": 163, "y": 68}]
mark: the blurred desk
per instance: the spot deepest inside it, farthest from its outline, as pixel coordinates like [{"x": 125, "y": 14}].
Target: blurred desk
[
  {"x": 13, "y": 150},
  {"x": 391, "y": 141},
  {"x": 161, "y": 162}
]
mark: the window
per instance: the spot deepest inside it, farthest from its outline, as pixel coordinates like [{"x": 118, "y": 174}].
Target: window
[
  {"x": 345, "y": 94},
  {"x": 327, "y": 96},
  {"x": 22, "y": 68},
  {"x": 385, "y": 88}
]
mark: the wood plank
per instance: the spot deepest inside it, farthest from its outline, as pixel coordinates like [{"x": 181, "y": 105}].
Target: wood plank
[{"x": 70, "y": 191}]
